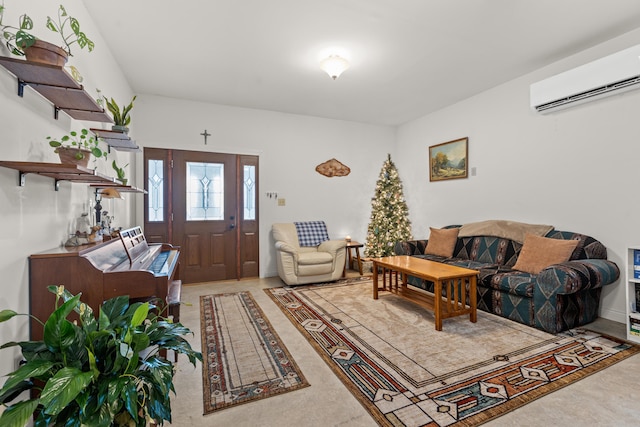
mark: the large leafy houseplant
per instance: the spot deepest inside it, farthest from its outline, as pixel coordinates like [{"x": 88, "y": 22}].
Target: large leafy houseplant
[{"x": 104, "y": 370}]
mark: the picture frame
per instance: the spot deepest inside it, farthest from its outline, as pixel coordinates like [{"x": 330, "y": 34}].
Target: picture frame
[{"x": 449, "y": 160}]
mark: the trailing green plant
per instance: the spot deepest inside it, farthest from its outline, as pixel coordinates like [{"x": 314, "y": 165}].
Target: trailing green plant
[
  {"x": 97, "y": 371},
  {"x": 84, "y": 140},
  {"x": 120, "y": 118},
  {"x": 19, "y": 38},
  {"x": 119, "y": 170},
  {"x": 69, "y": 29}
]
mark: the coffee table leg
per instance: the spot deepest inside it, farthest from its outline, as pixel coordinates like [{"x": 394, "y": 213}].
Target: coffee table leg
[
  {"x": 375, "y": 280},
  {"x": 437, "y": 301},
  {"x": 473, "y": 298}
]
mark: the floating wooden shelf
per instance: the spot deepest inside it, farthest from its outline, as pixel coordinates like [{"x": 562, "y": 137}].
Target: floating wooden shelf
[
  {"x": 117, "y": 140},
  {"x": 57, "y": 86},
  {"x": 121, "y": 187},
  {"x": 66, "y": 172}
]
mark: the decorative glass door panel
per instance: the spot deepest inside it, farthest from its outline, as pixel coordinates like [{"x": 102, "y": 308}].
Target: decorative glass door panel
[
  {"x": 205, "y": 191},
  {"x": 155, "y": 189}
]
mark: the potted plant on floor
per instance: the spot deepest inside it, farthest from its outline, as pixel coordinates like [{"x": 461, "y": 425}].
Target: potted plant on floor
[
  {"x": 122, "y": 119},
  {"x": 76, "y": 147},
  {"x": 101, "y": 370},
  {"x": 20, "y": 41}
]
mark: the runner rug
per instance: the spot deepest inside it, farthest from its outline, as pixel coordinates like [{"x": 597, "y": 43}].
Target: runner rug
[
  {"x": 405, "y": 373},
  {"x": 244, "y": 359}
]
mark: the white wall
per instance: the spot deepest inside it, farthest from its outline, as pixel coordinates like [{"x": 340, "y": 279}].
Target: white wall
[
  {"x": 575, "y": 169},
  {"x": 35, "y": 218},
  {"x": 289, "y": 149}
]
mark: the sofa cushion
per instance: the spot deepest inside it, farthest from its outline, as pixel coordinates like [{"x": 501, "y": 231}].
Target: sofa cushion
[
  {"x": 314, "y": 258},
  {"x": 442, "y": 242},
  {"x": 540, "y": 252},
  {"x": 487, "y": 249},
  {"x": 504, "y": 279},
  {"x": 466, "y": 263}
]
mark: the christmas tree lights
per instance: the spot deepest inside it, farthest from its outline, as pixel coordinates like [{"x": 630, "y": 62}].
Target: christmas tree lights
[{"x": 389, "y": 222}]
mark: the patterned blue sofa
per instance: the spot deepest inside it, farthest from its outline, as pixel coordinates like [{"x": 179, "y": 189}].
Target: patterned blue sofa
[{"x": 560, "y": 297}]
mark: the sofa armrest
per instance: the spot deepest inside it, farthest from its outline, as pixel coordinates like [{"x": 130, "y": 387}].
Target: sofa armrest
[
  {"x": 411, "y": 247},
  {"x": 577, "y": 275},
  {"x": 332, "y": 246},
  {"x": 284, "y": 247}
]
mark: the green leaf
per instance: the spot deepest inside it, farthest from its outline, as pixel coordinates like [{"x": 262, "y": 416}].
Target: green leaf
[
  {"x": 129, "y": 395},
  {"x": 12, "y": 393},
  {"x": 92, "y": 365},
  {"x": 51, "y": 25},
  {"x": 82, "y": 40},
  {"x": 58, "y": 331},
  {"x": 19, "y": 414},
  {"x": 34, "y": 368},
  {"x": 96, "y": 152},
  {"x": 62, "y": 388},
  {"x": 26, "y": 23},
  {"x": 103, "y": 320},
  {"x": 24, "y": 39},
  {"x": 140, "y": 340},
  {"x": 140, "y": 315},
  {"x": 75, "y": 25},
  {"x": 6, "y": 315},
  {"x": 115, "y": 307},
  {"x": 35, "y": 350}
]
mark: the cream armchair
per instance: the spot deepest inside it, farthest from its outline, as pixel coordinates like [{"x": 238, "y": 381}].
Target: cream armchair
[{"x": 298, "y": 265}]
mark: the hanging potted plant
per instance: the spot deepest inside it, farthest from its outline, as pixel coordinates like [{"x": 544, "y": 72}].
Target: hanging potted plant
[
  {"x": 77, "y": 147},
  {"x": 122, "y": 119},
  {"x": 105, "y": 370},
  {"x": 20, "y": 41}
]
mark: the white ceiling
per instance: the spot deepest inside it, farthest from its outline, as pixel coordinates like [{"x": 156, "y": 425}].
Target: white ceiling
[{"x": 408, "y": 57}]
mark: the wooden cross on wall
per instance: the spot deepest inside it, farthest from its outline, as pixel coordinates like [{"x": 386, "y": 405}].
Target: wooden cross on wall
[{"x": 205, "y": 134}]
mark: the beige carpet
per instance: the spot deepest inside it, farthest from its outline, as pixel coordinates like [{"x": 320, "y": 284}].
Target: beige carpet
[
  {"x": 405, "y": 373},
  {"x": 243, "y": 357}
]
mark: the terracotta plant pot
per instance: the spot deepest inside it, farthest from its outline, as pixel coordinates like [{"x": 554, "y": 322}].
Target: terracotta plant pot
[
  {"x": 68, "y": 156},
  {"x": 46, "y": 53}
]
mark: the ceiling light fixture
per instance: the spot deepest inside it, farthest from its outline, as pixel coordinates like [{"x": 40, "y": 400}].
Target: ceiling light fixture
[{"x": 334, "y": 65}]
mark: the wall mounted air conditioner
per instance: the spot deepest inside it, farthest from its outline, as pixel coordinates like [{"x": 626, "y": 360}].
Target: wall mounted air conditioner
[{"x": 611, "y": 75}]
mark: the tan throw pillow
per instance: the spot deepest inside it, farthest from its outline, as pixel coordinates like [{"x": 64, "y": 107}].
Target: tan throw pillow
[
  {"x": 538, "y": 253},
  {"x": 442, "y": 241}
]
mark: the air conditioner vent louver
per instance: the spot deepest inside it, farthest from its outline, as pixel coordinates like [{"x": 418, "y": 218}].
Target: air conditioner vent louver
[
  {"x": 607, "y": 76},
  {"x": 583, "y": 97}
]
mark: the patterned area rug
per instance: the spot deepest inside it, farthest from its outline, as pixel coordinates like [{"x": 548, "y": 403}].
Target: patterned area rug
[
  {"x": 405, "y": 373},
  {"x": 244, "y": 359}
]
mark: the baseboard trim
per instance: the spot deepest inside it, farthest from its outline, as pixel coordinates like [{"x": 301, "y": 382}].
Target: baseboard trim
[{"x": 615, "y": 315}]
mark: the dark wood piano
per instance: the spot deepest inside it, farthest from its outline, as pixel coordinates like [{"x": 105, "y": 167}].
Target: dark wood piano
[{"x": 127, "y": 265}]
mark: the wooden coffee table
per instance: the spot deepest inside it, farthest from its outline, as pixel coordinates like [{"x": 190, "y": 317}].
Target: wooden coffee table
[{"x": 459, "y": 285}]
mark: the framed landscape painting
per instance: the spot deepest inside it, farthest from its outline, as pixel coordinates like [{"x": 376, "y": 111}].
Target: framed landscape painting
[{"x": 448, "y": 160}]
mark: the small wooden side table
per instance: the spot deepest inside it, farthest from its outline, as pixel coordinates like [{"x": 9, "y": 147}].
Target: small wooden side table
[{"x": 353, "y": 245}]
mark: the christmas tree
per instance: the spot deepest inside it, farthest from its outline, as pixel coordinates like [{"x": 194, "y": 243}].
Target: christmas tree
[{"x": 389, "y": 214}]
